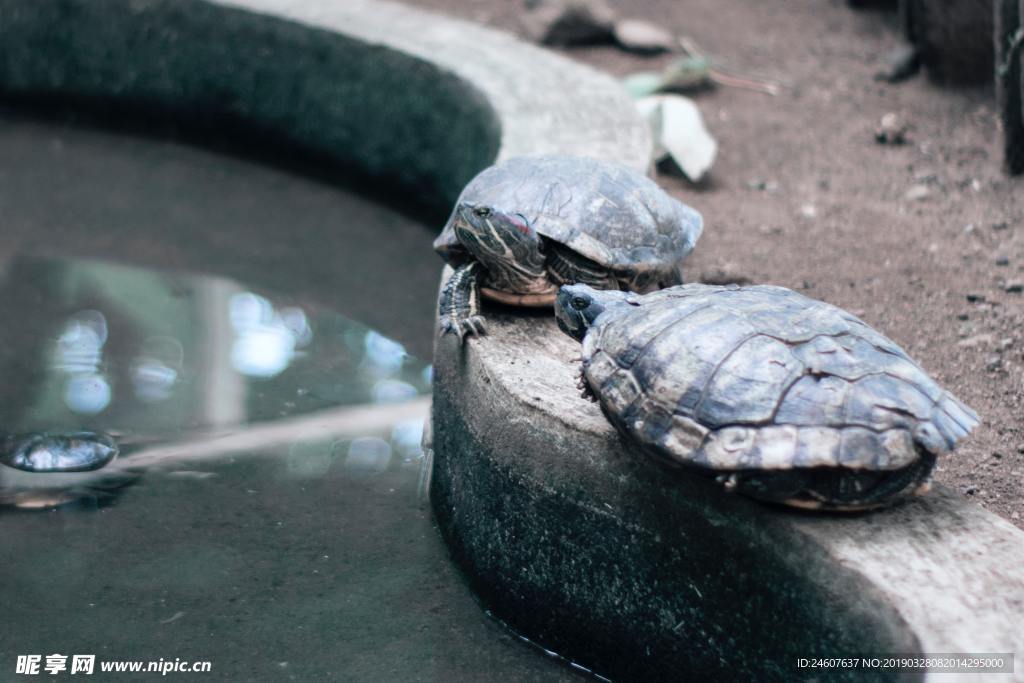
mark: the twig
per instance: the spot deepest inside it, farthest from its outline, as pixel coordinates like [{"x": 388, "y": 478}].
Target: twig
[{"x": 720, "y": 75}]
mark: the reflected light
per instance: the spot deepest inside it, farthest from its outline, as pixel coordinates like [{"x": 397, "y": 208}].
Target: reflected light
[
  {"x": 384, "y": 357},
  {"x": 392, "y": 391},
  {"x": 80, "y": 344},
  {"x": 80, "y": 354},
  {"x": 153, "y": 381},
  {"x": 248, "y": 310},
  {"x": 263, "y": 352},
  {"x": 369, "y": 454},
  {"x": 88, "y": 394},
  {"x": 266, "y": 339},
  {"x": 295, "y": 320},
  {"x": 407, "y": 438},
  {"x": 155, "y": 370}
]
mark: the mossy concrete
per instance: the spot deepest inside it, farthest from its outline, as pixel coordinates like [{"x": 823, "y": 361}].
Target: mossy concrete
[{"x": 575, "y": 537}]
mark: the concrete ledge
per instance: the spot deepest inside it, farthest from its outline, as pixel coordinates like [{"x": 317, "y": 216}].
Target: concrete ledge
[{"x": 642, "y": 574}]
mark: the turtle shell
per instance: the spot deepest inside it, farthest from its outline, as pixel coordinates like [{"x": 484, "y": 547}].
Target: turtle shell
[
  {"x": 763, "y": 378},
  {"x": 603, "y": 210}
]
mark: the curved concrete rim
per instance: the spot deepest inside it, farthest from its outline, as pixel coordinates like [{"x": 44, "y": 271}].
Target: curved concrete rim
[{"x": 546, "y": 104}]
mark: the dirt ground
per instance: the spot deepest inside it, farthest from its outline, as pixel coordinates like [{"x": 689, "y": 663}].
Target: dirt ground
[{"x": 801, "y": 195}]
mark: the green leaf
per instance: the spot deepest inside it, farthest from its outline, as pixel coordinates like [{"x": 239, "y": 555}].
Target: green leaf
[{"x": 642, "y": 84}]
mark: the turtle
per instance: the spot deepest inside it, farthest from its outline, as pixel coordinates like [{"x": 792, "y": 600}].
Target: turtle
[
  {"x": 778, "y": 396},
  {"x": 525, "y": 226}
]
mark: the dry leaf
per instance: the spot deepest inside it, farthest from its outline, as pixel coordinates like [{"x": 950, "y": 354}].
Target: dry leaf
[{"x": 679, "y": 132}]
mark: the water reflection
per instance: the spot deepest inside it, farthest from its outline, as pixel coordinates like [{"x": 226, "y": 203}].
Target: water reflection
[
  {"x": 80, "y": 355},
  {"x": 76, "y": 452},
  {"x": 368, "y": 454},
  {"x": 384, "y": 357},
  {"x": 80, "y": 344},
  {"x": 186, "y": 369},
  {"x": 155, "y": 370},
  {"x": 267, "y": 339},
  {"x": 407, "y": 436}
]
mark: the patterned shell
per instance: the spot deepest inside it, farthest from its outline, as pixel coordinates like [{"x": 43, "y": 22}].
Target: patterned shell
[
  {"x": 603, "y": 210},
  {"x": 764, "y": 378}
]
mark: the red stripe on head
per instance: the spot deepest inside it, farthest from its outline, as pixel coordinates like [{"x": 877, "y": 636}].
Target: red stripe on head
[{"x": 520, "y": 224}]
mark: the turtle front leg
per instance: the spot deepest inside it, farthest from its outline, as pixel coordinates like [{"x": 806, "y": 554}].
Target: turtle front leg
[
  {"x": 581, "y": 384},
  {"x": 459, "y": 309}
]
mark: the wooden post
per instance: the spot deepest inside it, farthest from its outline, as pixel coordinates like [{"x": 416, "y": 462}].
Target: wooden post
[{"x": 1010, "y": 80}]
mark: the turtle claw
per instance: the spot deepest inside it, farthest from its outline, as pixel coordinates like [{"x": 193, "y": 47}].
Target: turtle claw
[
  {"x": 585, "y": 390},
  {"x": 472, "y": 326},
  {"x": 475, "y": 325},
  {"x": 445, "y": 324}
]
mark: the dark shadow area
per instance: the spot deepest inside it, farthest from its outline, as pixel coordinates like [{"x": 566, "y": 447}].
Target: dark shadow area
[{"x": 224, "y": 134}]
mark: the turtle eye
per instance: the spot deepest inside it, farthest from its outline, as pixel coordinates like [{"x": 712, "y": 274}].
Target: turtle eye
[
  {"x": 483, "y": 211},
  {"x": 579, "y": 303}
]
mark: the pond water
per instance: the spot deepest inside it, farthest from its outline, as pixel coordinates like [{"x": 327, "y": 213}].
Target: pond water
[{"x": 250, "y": 339}]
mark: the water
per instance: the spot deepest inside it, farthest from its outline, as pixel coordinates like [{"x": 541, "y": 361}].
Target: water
[{"x": 264, "y": 514}]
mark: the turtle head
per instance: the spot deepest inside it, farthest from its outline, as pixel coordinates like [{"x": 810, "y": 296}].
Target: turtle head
[
  {"x": 481, "y": 227},
  {"x": 504, "y": 242},
  {"x": 578, "y": 306}
]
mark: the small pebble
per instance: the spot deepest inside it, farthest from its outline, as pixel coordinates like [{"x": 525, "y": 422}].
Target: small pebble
[
  {"x": 762, "y": 185},
  {"x": 971, "y": 490},
  {"x": 962, "y": 316},
  {"x": 997, "y": 455},
  {"x": 892, "y": 130},
  {"x": 974, "y": 297},
  {"x": 917, "y": 193},
  {"x": 1002, "y": 225},
  {"x": 983, "y": 339},
  {"x": 1015, "y": 286},
  {"x": 641, "y": 36},
  {"x": 1002, "y": 261}
]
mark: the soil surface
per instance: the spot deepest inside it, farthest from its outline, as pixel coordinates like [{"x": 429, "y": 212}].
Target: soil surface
[{"x": 922, "y": 240}]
